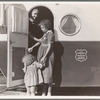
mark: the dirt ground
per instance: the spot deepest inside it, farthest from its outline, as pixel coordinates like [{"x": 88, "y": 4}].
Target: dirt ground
[
  {"x": 15, "y": 91},
  {"x": 4, "y": 91},
  {"x": 64, "y": 91},
  {"x": 19, "y": 90}
]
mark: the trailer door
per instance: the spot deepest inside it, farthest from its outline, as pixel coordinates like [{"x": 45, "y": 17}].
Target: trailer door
[{"x": 17, "y": 24}]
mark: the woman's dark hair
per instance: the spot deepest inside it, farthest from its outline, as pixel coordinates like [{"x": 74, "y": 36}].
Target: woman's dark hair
[
  {"x": 46, "y": 23},
  {"x": 30, "y": 14}
]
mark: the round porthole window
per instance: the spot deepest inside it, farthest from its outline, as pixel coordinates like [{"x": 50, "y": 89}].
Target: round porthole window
[{"x": 70, "y": 24}]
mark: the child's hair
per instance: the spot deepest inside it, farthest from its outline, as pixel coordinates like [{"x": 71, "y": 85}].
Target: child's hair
[
  {"x": 28, "y": 59},
  {"x": 46, "y": 23}
]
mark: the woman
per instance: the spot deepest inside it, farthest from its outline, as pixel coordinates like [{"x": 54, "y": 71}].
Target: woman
[{"x": 46, "y": 55}]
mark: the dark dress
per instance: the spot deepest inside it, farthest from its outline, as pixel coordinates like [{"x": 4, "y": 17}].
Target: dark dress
[
  {"x": 35, "y": 31},
  {"x": 49, "y": 63}
]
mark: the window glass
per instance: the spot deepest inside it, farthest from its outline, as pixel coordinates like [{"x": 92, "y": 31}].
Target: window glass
[{"x": 70, "y": 24}]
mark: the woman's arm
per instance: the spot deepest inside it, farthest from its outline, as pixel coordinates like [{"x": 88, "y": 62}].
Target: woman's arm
[
  {"x": 38, "y": 43},
  {"x": 31, "y": 48},
  {"x": 38, "y": 40},
  {"x": 50, "y": 38},
  {"x": 34, "y": 38},
  {"x": 48, "y": 49}
]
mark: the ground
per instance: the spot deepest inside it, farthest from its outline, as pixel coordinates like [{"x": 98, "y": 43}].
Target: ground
[
  {"x": 18, "y": 90},
  {"x": 62, "y": 91},
  {"x": 12, "y": 91},
  {"x": 56, "y": 91}
]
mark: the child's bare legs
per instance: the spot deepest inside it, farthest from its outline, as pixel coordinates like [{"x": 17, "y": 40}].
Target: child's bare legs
[
  {"x": 28, "y": 91},
  {"x": 32, "y": 91}
]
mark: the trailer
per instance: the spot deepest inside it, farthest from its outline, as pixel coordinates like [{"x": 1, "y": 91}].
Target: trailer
[{"x": 77, "y": 41}]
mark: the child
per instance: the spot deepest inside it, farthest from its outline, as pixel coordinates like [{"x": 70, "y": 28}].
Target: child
[{"x": 32, "y": 72}]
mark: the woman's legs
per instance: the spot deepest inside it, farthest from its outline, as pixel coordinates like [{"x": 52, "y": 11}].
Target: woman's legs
[
  {"x": 36, "y": 90},
  {"x": 44, "y": 91},
  {"x": 49, "y": 89}
]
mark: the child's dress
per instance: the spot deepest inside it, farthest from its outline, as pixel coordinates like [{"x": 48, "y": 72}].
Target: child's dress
[{"x": 33, "y": 75}]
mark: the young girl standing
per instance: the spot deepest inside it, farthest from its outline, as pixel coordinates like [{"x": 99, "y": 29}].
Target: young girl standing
[
  {"x": 32, "y": 72},
  {"x": 46, "y": 55}
]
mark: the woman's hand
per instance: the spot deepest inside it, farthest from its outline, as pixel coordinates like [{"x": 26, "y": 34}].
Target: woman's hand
[
  {"x": 40, "y": 66},
  {"x": 43, "y": 59},
  {"x": 30, "y": 50}
]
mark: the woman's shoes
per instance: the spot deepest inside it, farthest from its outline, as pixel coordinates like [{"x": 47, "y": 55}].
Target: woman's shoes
[{"x": 49, "y": 94}]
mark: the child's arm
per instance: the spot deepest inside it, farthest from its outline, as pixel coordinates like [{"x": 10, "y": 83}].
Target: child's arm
[
  {"x": 38, "y": 65},
  {"x": 25, "y": 68}
]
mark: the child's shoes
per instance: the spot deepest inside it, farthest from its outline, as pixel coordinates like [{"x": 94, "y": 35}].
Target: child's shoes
[
  {"x": 33, "y": 94},
  {"x": 43, "y": 94}
]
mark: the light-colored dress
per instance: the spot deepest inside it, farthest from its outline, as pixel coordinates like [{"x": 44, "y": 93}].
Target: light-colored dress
[
  {"x": 33, "y": 75},
  {"x": 49, "y": 63}
]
